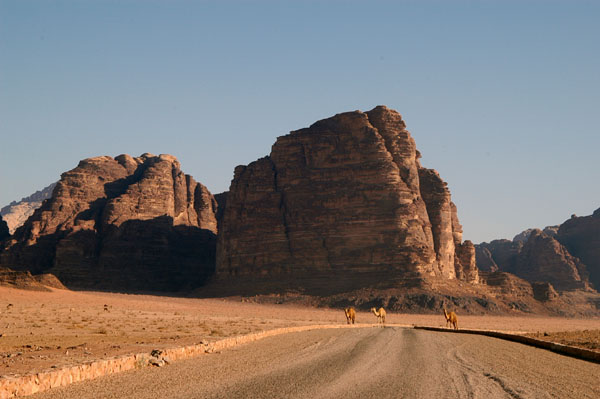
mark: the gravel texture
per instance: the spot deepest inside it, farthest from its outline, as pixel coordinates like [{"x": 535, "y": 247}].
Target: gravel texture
[{"x": 357, "y": 363}]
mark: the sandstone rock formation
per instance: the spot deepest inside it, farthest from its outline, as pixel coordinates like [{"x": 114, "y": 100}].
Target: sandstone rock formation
[
  {"x": 581, "y": 236},
  {"x": 121, "y": 223},
  {"x": 485, "y": 259},
  {"x": 26, "y": 281},
  {"x": 524, "y": 235},
  {"x": 543, "y": 258},
  {"x": 343, "y": 202},
  {"x": 16, "y": 213},
  {"x": 565, "y": 256},
  {"x": 544, "y": 291},
  {"x": 4, "y": 231},
  {"x": 507, "y": 283}
]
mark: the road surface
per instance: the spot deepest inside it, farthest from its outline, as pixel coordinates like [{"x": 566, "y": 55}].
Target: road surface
[{"x": 357, "y": 363}]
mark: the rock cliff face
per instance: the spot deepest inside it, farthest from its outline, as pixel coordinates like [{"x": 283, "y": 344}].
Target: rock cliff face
[
  {"x": 16, "y": 213},
  {"x": 485, "y": 260},
  {"x": 345, "y": 198},
  {"x": 581, "y": 236},
  {"x": 565, "y": 256},
  {"x": 121, "y": 223},
  {"x": 498, "y": 255},
  {"x": 4, "y": 232},
  {"x": 544, "y": 259}
]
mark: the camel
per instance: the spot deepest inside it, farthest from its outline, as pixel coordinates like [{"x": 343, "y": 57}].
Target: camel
[
  {"x": 350, "y": 315},
  {"x": 380, "y": 315},
  {"x": 451, "y": 318}
]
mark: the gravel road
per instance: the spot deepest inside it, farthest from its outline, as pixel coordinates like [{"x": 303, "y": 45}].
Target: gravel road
[{"x": 357, "y": 363}]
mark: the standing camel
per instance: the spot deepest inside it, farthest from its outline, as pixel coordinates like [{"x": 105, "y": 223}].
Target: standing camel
[
  {"x": 380, "y": 315},
  {"x": 350, "y": 315},
  {"x": 451, "y": 319}
]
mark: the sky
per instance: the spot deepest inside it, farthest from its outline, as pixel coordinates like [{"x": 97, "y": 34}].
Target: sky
[{"x": 501, "y": 97}]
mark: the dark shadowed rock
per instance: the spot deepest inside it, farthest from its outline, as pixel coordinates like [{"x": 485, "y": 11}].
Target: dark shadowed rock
[
  {"x": 581, "y": 236},
  {"x": 485, "y": 260},
  {"x": 543, "y": 258},
  {"x": 344, "y": 202},
  {"x": 504, "y": 254},
  {"x": 565, "y": 256},
  {"x": 544, "y": 291},
  {"x": 121, "y": 223},
  {"x": 4, "y": 233},
  {"x": 507, "y": 283}
]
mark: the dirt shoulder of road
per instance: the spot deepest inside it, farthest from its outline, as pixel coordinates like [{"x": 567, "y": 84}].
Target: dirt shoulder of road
[
  {"x": 587, "y": 339},
  {"x": 57, "y": 328}
]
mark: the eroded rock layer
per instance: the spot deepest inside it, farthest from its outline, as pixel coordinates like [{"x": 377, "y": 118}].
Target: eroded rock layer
[
  {"x": 16, "y": 213},
  {"x": 544, "y": 259},
  {"x": 345, "y": 197},
  {"x": 121, "y": 223},
  {"x": 565, "y": 256},
  {"x": 581, "y": 236}
]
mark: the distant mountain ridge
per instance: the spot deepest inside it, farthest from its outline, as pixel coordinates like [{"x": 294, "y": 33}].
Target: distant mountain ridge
[
  {"x": 566, "y": 256},
  {"x": 17, "y": 212}
]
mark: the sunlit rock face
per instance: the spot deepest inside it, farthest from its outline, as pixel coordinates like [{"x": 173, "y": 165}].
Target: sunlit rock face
[
  {"x": 121, "y": 223},
  {"x": 345, "y": 197},
  {"x": 17, "y": 212}
]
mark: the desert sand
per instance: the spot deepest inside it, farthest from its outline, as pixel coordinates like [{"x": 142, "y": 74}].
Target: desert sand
[{"x": 41, "y": 330}]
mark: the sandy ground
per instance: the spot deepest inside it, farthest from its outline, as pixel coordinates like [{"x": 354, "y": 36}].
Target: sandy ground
[
  {"x": 357, "y": 363},
  {"x": 41, "y": 330}
]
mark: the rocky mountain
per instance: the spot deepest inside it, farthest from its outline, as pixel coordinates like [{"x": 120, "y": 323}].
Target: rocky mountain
[
  {"x": 581, "y": 237},
  {"x": 4, "y": 231},
  {"x": 342, "y": 204},
  {"x": 16, "y": 213},
  {"x": 564, "y": 256},
  {"x": 121, "y": 223},
  {"x": 524, "y": 235},
  {"x": 544, "y": 259}
]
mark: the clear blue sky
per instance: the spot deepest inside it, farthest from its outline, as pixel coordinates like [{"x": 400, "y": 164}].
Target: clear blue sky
[{"x": 502, "y": 97}]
